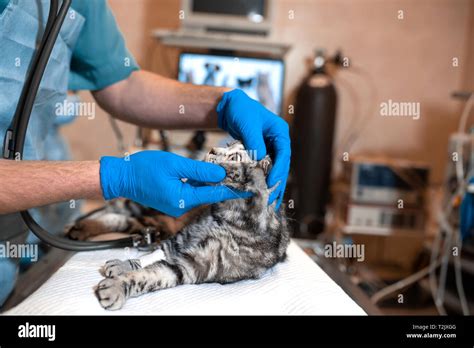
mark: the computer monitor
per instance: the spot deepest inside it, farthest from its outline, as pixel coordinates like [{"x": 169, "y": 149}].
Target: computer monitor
[
  {"x": 261, "y": 78},
  {"x": 235, "y": 16}
]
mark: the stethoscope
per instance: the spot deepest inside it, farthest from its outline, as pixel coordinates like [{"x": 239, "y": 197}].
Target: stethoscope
[{"x": 15, "y": 138}]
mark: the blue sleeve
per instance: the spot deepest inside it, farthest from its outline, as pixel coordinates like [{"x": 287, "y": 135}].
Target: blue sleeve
[{"x": 100, "y": 57}]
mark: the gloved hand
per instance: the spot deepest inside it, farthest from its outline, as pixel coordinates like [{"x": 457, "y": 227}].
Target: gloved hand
[
  {"x": 153, "y": 179},
  {"x": 260, "y": 130}
]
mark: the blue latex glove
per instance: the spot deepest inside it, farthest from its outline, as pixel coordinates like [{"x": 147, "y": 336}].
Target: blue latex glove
[
  {"x": 153, "y": 179},
  {"x": 260, "y": 130}
]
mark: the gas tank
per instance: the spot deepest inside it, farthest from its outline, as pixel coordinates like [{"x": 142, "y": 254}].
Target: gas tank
[{"x": 312, "y": 143}]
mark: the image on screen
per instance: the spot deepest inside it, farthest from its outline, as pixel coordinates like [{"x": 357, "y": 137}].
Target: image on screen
[
  {"x": 234, "y": 7},
  {"x": 261, "y": 79}
]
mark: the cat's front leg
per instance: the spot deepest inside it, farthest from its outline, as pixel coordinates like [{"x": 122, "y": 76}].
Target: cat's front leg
[
  {"x": 114, "y": 268},
  {"x": 111, "y": 291},
  {"x": 111, "y": 294},
  {"x": 114, "y": 292}
]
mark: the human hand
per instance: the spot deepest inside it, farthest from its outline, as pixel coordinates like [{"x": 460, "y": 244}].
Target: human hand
[
  {"x": 154, "y": 179},
  {"x": 260, "y": 130}
]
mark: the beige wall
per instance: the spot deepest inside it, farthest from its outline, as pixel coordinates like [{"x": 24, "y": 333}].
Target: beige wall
[{"x": 408, "y": 60}]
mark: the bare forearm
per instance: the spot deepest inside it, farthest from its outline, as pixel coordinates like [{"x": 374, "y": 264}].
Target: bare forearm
[
  {"x": 28, "y": 184},
  {"x": 153, "y": 101}
]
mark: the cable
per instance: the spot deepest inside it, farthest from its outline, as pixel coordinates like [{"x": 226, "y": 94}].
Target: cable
[
  {"x": 439, "y": 299},
  {"x": 432, "y": 274},
  {"x": 465, "y": 114},
  {"x": 381, "y": 294},
  {"x": 66, "y": 244},
  {"x": 53, "y": 9},
  {"x": 165, "y": 144},
  {"x": 438, "y": 288},
  {"x": 341, "y": 82},
  {"x": 462, "y": 184},
  {"x": 38, "y": 72},
  {"x": 438, "y": 293},
  {"x": 459, "y": 165},
  {"x": 453, "y": 234},
  {"x": 118, "y": 134},
  {"x": 364, "y": 121},
  {"x": 458, "y": 276}
]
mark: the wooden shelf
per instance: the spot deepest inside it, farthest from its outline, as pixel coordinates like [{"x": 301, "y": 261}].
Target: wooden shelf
[{"x": 231, "y": 42}]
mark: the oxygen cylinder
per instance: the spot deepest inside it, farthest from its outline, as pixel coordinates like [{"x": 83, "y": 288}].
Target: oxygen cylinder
[{"x": 312, "y": 142}]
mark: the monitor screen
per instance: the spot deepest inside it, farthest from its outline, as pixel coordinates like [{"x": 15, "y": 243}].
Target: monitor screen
[
  {"x": 244, "y": 8},
  {"x": 261, "y": 78}
]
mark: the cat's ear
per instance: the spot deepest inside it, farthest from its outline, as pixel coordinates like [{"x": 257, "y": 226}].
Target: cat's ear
[{"x": 265, "y": 164}]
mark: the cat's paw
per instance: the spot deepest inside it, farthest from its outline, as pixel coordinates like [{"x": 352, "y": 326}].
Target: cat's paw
[
  {"x": 76, "y": 231},
  {"x": 114, "y": 268},
  {"x": 265, "y": 164},
  {"x": 274, "y": 187},
  {"x": 111, "y": 294}
]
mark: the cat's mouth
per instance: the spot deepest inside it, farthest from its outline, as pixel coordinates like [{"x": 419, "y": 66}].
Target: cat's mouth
[
  {"x": 238, "y": 164},
  {"x": 235, "y": 153}
]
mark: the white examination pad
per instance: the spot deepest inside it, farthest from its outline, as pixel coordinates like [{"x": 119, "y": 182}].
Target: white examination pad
[{"x": 297, "y": 286}]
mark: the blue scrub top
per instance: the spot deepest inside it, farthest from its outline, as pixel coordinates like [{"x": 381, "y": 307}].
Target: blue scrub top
[{"x": 100, "y": 57}]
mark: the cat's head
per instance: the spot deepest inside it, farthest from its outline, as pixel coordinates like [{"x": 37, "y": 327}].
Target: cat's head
[{"x": 238, "y": 164}]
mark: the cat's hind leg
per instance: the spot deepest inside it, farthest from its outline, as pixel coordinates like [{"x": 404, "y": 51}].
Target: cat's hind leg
[{"x": 101, "y": 224}]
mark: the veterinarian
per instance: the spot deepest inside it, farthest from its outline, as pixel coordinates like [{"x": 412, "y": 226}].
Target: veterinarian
[{"x": 91, "y": 54}]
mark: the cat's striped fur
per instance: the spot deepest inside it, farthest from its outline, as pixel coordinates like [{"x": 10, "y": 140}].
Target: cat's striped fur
[{"x": 229, "y": 241}]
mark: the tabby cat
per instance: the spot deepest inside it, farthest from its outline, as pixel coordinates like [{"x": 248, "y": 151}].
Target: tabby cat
[{"x": 225, "y": 242}]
